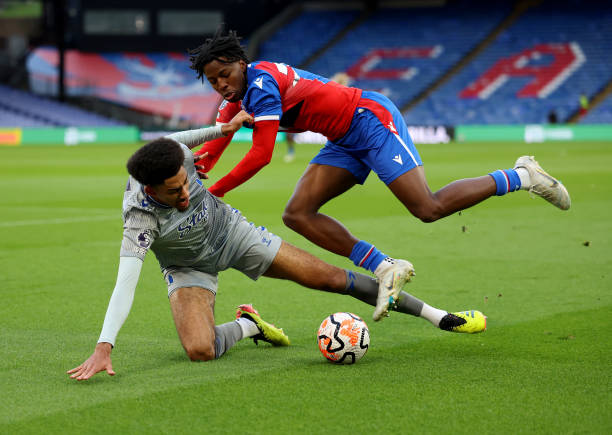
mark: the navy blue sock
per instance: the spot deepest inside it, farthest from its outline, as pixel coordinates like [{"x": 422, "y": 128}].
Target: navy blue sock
[
  {"x": 366, "y": 255},
  {"x": 506, "y": 181}
]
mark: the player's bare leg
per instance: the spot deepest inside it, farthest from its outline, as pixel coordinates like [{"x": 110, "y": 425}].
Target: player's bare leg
[
  {"x": 318, "y": 185},
  {"x": 193, "y": 313},
  {"x": 299, "y": 266},
  {"x": 303, "y": 268},
  {"x": 412, "y": 190}
]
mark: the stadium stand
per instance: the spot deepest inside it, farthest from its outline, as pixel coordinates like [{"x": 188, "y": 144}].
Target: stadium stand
[
  {"x": 601, "y": 114},
  {"x": 401, "y": 51},
  {"x": 10, "y": 118},
  {"x": 304, "y": 35},
  {"x": 537, "y": 67},
  {"x": 156, "y": 83},
  {"x": 22, "y": 109}
]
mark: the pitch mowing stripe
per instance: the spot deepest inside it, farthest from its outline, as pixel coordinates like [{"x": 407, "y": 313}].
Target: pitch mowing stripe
[
  {"x": 47, "y": 209},
  {"x": 57, "y": 221}
]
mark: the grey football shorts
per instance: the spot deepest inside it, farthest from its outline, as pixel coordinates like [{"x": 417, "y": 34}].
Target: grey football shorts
[{"x": 252, "y": 253}]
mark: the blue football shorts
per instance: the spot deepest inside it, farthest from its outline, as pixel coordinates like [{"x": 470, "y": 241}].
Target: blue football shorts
[{"x": 377, "y": 140}]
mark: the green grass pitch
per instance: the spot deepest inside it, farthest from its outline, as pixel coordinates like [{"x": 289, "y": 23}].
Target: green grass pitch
[{"x": 543, "y": 277}]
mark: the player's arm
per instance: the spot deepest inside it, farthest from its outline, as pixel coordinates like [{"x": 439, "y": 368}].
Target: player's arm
[
  {"x": 139, "y": 233},
  {"x": 260, "y": 154},
  {"x": 118, "y": 309},
  {"x": 211, "y": 151},
  {"x": 193, "y": 138}
]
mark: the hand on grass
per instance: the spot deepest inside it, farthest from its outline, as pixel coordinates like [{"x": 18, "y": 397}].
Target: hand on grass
[{"x": 98, "y": 361}]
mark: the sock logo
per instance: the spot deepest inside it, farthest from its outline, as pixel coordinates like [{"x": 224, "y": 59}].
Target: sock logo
[{"x": 350, "y": 285}]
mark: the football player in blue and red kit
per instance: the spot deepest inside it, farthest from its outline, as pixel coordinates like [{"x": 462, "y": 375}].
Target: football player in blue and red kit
[{"x": 366, "y": 132}]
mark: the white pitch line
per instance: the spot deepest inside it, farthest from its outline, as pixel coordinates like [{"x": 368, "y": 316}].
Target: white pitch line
[{"x": 57, "y": 221}]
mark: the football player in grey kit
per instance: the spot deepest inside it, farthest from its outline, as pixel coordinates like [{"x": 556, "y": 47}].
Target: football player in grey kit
[{"x": 195, "y": 235}]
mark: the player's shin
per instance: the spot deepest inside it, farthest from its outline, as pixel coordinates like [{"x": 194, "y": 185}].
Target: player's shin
[
  {"x": 226, "y": 335},
  {"x": 365, "y": 289}
]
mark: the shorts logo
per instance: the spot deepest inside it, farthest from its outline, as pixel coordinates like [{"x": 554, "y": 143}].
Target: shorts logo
[
  {"x": 351, "y": 280},
  {"x": 262, "y": 232},
  {"x": 200, "y": 214},
  {"x": 398, "y": 159}
]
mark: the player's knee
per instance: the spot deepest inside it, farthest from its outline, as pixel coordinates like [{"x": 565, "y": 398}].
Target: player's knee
[
  {"x": 200, "y": 352},
  {"x": 336, "y": 282},
  {"x": 331, "y": 279},
  {"x": 293, "y": 220},
  {"x": 428, "y": 213}
]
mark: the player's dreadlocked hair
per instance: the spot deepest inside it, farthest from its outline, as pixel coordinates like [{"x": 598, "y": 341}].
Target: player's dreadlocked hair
[
  {"x": 156, "y": 161},
  {"x": 219, "y": 46}
]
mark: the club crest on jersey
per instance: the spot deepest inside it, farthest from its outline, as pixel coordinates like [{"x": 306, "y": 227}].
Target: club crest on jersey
[
  {"x": 199, "y": 214},
  {"x": 144, "y": 239}
]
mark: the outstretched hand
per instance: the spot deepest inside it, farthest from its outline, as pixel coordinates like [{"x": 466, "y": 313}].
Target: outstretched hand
[
  {"x": 98, "y": 361},
  {"x": 236, "y": 123},
  {"x": 201, "y": 169}
]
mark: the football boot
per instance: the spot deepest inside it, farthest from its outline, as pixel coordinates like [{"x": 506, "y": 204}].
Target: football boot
[
  {"x": 267, "y": 332},
  {"x": 391, "y": 280},
  {"x": 470, "y": 322},
  {"x": 544, "y": 184}
]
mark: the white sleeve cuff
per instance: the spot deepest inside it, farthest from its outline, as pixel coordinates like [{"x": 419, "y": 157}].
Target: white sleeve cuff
[
  {"x": 267, "y": 118},
  {"x": 121, "y": 301}
]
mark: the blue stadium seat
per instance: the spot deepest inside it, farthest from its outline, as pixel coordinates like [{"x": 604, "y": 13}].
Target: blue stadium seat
[
  {"x": 585, "y": 24},
  {"x": 456, "y": 28},
  {"x": 602, "y": 114},
  {"x": 451, "y": 31},
  {"x": 304, "y": 35},
  {"x": 22, "y": 109}
]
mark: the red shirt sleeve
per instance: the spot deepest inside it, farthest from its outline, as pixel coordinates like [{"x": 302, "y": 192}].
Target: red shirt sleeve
[
  {"x": 260, "y": 154},
  {"x": 215, "y": 149}
]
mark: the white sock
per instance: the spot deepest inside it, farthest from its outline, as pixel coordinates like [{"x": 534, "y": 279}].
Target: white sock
[
  {"x": 249, "y": 328},
  {"x": 525, "y": 179},
  {"x": 432, "y": 314}
]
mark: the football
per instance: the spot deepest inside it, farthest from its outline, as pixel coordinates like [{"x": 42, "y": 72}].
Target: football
[{"x": 343, "y": 338}]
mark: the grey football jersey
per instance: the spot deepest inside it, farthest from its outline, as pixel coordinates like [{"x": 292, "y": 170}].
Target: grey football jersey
[{"x": 201, "y": 237}]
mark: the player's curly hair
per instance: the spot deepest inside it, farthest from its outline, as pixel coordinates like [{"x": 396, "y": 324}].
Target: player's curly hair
[
  {"x": 156, "y": 161},
  {"x": 219, "y": 46}
]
